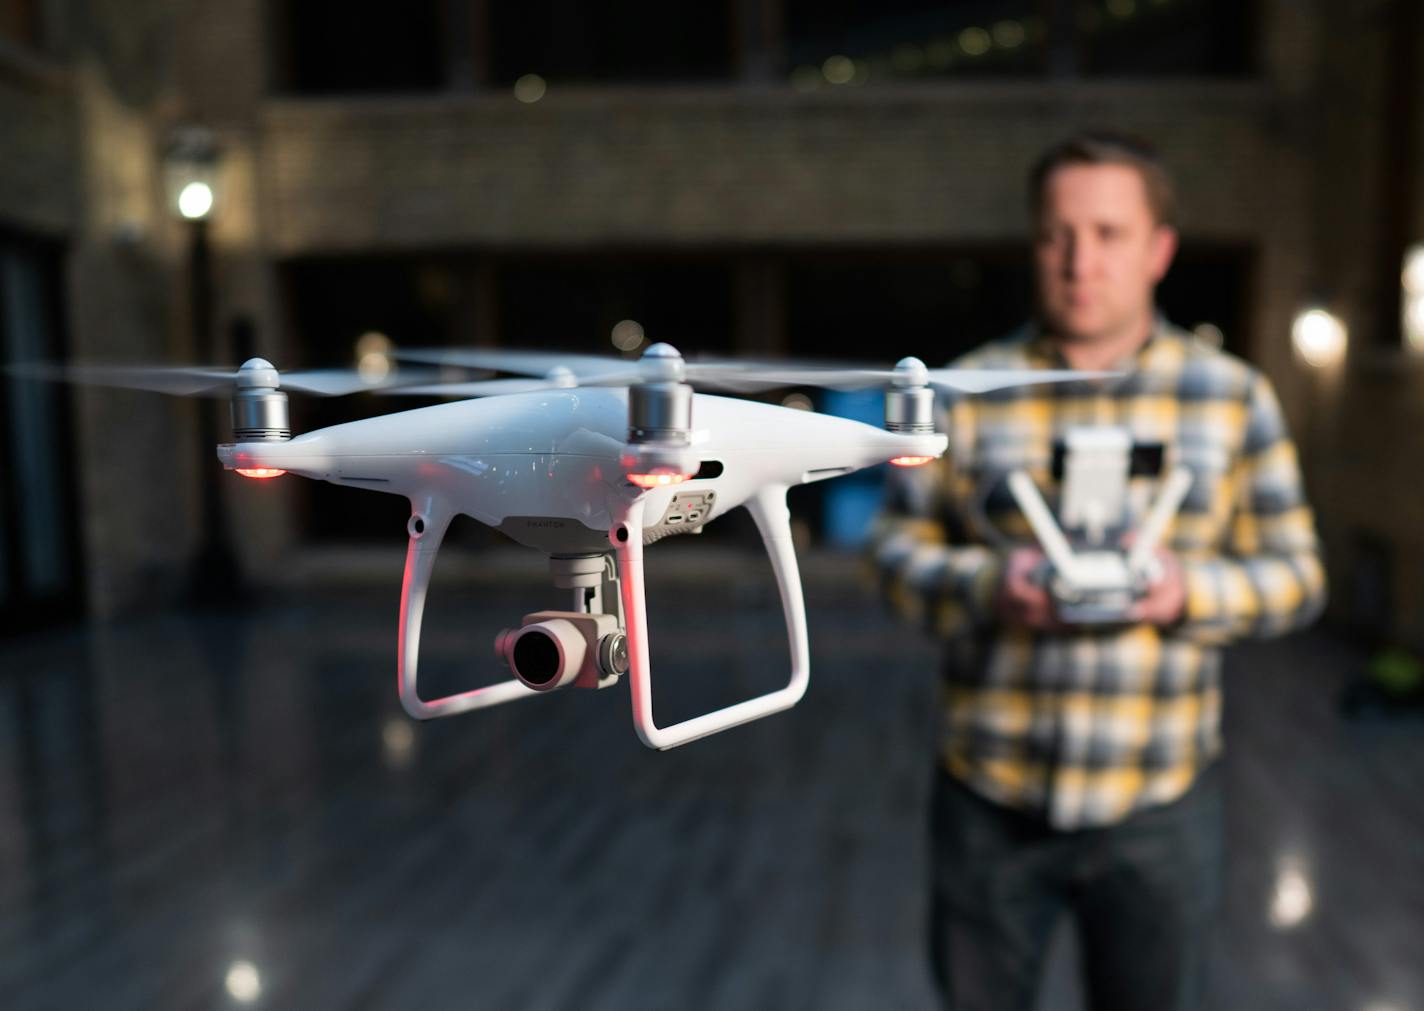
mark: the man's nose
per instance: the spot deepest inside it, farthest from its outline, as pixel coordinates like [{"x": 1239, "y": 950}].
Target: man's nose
[{"x": 1079, "y": 256}]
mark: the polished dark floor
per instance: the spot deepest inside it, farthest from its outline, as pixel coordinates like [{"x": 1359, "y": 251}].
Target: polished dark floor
[{"x": 198, "y": 810}]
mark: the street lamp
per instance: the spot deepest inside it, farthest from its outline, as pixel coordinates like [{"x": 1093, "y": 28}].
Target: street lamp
[
  {"x": 191, "y": 182},
  {"x": 190, "y": 171}
]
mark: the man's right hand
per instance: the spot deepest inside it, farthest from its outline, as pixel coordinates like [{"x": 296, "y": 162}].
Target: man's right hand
[{"x": 1022, "y": 599}]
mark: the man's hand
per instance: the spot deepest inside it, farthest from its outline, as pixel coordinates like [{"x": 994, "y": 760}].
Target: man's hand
[
  {"x": 1022, "y": 601},
  {"x": 1166, "y": 597}
]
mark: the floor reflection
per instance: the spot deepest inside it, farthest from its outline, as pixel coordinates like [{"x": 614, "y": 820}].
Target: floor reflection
[{"x": 202, "y": 810}]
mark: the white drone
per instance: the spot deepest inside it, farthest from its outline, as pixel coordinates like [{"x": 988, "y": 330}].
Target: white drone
[{"x": 587, "y": 463}]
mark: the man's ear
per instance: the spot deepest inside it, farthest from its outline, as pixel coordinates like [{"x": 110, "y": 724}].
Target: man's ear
[{"x": 1164, "y": 247}]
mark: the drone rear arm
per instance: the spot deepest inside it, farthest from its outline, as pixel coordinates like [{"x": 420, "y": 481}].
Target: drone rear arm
[
  {"x": 769, "y": 511},
  {"x": 428, "y": 522}
]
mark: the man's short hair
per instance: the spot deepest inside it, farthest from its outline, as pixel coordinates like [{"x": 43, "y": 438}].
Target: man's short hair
[{"x": 1108, "y": 147}]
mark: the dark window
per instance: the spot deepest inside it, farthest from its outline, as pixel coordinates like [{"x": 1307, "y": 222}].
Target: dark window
[
  {"x": 335, "y": 47},
  {"x": 847, "y": 44},
  {"x": 879, "y": 305},
  {"x": 911, "y": 40},
  {"x": 574, "y": 302},
  {"x": 39, "y": 554},
  {"x": 1167, "y": 38},
  {"x": 627, "y": 40}
]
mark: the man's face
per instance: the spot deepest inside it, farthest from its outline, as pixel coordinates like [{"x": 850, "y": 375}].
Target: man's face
[{"x": 1099, "y": 252}]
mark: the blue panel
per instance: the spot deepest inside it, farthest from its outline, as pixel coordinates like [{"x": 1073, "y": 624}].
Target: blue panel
[{"x": 851, "y": 502}]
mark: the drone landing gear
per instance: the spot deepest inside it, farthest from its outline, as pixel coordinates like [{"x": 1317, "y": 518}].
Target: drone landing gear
[
  {"x": 773, "y": 520},
  {"x": 602, "y": 650},
  {"x": 427, "y": 526}
]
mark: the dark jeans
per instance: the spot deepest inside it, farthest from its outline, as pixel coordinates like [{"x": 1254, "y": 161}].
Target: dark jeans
[{"x": 1144, "y": 893}]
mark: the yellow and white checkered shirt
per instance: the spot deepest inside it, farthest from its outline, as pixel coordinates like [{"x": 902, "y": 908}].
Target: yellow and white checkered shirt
[{"x": 1086, "y": 726}]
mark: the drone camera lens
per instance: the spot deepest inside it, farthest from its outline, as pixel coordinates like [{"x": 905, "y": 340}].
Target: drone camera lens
[{"x": 536, "y": 658}]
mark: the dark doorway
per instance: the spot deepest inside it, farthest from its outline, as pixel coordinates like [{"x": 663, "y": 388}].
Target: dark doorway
[{"x": 39, "y": 544}]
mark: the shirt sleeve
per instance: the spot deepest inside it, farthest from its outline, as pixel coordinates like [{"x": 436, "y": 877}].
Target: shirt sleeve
[
  {"x": 1268, "y": 579},
  {"x": 928, "y": 568}
]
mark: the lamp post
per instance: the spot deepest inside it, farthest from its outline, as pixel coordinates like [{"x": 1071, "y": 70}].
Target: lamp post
[{"x": 191, "y": 179}]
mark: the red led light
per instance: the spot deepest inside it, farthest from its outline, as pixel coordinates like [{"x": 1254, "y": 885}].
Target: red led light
[
  {"x": 260, "y": 472},
  {"x": 911, "y": 461},
  {"x": 661, "y": 480}
]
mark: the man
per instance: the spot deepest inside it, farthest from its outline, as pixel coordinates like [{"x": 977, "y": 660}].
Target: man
[{"x": 1077, "y": 770}]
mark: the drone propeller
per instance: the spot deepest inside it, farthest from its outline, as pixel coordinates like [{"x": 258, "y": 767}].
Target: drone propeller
[
  {"x": 558, "y": 378},
  {"x": 658, "y": 451},
  {"x": 732, "y": 376},
  {"x": 752, "y": 376},
  {"x": 189, "y": 381}
]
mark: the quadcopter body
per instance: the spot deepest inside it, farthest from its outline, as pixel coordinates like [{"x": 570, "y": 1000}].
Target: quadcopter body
[
  {"x": 550, "y": 469},
  {"x": 545, "y": 467}
]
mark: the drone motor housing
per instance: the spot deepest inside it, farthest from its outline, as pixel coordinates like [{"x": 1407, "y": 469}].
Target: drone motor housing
[{"x": 259, "y": 408}]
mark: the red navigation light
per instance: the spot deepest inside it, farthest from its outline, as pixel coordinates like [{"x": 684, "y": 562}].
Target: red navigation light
[
  {"x": 911, "y": 461},
  {"x": 660, "y": 480},
  {"x": 260, "y": 472}
]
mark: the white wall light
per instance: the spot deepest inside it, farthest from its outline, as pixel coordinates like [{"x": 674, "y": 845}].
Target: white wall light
[
  {"x": 190, "y": 168},
  {"x": 1320, "y": 337},
  {"x": 1411, "y": 281}
]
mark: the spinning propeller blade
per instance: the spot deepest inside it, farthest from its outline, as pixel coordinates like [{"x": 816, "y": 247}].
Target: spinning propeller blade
[
  {"x": 188, "y": 381},
  {"x": 718, "y": 374}
]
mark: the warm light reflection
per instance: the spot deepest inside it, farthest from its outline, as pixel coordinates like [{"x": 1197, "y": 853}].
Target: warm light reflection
[
  {"x": 660, "y": 480},
  {"x": 530, "y": 88},
  {"x": 627, "y": 335},
  {"x": 1209, "y": 334},
  {"x": 260, "y": 472},
  {"x": 1414, "y": 322},
  {"x": 398, "y": 742},
  {"x": 974, "y": 41},
  {"x": 373, "y": 356},
  {"x": 798, "y": 402},
  {"x": 195, "y": 201},
  {"x": 1320, "y": 337},
  {"x": 910, "y": 461},
  {"x": 373, "y": 367},
  {"x": 1412, "y": 281},
  {"x": 243, "y": 982},
  {"x": 838, "y": 69},
  {"x": 1412, "y": 277},
  {"x": 1292, "y": 898}
]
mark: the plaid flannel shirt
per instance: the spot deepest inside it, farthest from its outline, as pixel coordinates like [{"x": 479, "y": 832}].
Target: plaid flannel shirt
[{"x": 1086, "y": 726}]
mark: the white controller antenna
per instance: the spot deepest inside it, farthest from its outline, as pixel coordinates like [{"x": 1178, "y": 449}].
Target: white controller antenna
[{"x": 1169, "y": 500}]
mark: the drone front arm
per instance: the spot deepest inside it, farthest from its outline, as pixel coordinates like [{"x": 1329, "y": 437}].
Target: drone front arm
[
  {"x": 428, "y": 522},
  {"x": 773, "y": 520}
]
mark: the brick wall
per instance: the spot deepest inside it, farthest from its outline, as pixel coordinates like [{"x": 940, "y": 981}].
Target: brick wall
[{"x": 37, "y": 179}]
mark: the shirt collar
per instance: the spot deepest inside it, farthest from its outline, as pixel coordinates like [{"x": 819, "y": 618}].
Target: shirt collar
[{"x": 1045, "y": 351}]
